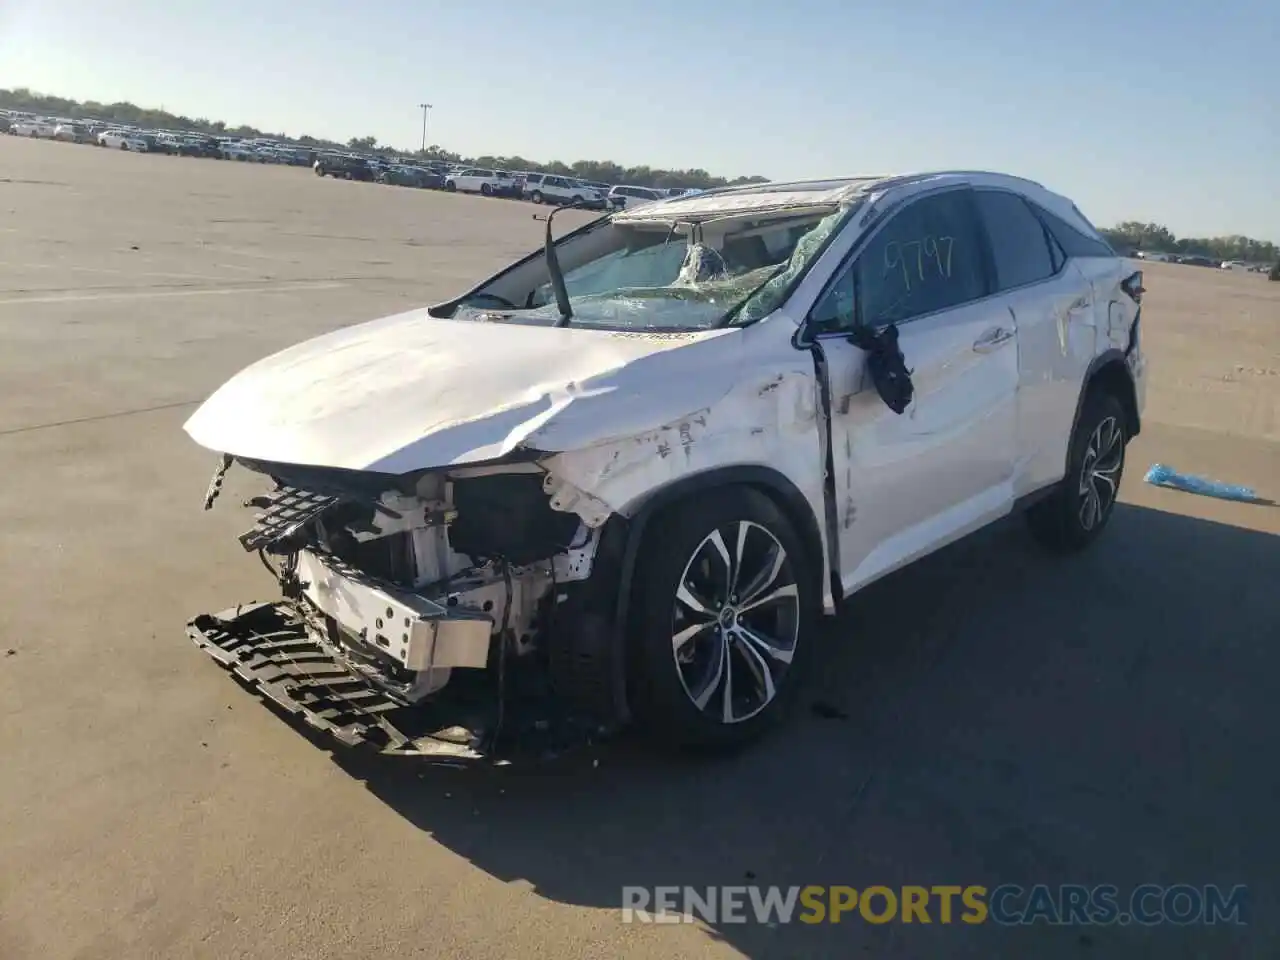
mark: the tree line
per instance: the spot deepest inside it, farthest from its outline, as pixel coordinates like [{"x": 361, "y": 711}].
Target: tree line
[
  {"x": 1132, "y": 236},
  {"x": 123, "y": 112}
]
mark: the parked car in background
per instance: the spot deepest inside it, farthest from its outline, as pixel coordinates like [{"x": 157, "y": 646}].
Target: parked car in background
[
  {"x": 432, "y": 178},
  {"x": 72, "y": 133},
  {"x": 554, "y": 189},
  {"x": 491, "y": 183},
  {"x": 623, "y": 197},
  {"x": 595, "y": 199},
  {"x": 34, "y": 127},
  {"x": 120, "y": 140},
  {"x": 198, "y": 147},
  {"x": 168, "y": 143},
  {"x": 234, "y": 150},
  {"x": 403, "y": 175},
  {"x": 343, "y": 167}
]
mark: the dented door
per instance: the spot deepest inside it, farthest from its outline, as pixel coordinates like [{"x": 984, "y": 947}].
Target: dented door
[{"x": 907, "y": 483}]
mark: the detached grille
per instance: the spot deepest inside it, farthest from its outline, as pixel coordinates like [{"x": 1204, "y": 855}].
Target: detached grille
[{"x": 284, "y": 511}]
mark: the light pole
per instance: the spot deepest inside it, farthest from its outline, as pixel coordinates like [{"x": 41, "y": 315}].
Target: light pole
[{"x": 424, "y": 107}]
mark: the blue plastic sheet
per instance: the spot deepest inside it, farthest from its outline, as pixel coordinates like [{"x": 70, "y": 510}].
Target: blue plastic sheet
[{"x": 1163, "y": 476}]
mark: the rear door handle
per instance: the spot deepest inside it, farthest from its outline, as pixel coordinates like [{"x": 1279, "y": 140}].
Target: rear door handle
[{"x": 993, "y": 339}]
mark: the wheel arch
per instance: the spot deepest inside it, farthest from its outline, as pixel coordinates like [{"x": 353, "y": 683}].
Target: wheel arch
[
  {"x": 1110, "y": 373},
  {"x": 784, "y": 494}
]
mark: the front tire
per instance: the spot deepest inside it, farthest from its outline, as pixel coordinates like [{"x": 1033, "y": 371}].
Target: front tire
[
  {"x": 450, "y": 186},
  {"x": 1076, "y": 513},
  {"x": 536, "y": 196},
  {"x": 725, "y": 617}
]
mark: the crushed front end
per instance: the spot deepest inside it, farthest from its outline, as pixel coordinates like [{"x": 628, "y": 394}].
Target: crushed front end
[{"x": 450, "y": 613}]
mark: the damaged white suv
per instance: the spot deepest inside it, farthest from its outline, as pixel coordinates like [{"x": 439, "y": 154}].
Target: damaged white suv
[{"x": 624, "y": 478}]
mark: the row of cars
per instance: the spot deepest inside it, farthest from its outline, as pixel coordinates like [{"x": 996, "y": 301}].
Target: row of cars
[
  {"x": 135, "y": 139},
  {"x": 535, "y": 187},
  {"x": 1199, "y": 260},
  {"x": 548, "y": 188}
]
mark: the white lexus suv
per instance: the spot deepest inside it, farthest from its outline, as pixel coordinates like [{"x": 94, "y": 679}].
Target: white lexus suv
[{"x": 623, "y": 479}]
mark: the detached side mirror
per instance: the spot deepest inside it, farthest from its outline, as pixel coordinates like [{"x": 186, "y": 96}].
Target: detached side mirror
[{"x": 886, "y": 365}]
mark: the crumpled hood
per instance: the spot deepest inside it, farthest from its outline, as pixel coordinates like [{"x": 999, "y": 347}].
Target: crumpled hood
[{"x": 410, "y": 391}]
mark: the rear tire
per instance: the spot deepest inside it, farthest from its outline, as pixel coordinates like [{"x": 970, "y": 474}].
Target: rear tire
[
  {"x": 724, "y": 622},
  {"x": 1078, "y": 510},
  {"x": 486, "y": 190}
]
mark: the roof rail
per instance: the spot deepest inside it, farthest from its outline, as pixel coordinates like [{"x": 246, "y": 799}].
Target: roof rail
[{"x": 779, "y": 186}]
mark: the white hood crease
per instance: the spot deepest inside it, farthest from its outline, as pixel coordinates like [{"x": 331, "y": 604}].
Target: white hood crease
[{"x": 409, "y": 392}]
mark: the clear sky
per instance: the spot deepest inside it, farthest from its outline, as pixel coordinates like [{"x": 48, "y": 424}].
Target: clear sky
[{"x": 1137, "y": 109}]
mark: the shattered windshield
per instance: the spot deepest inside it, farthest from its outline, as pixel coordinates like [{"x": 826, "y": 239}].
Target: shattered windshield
[{"x": 691, "y": 276}]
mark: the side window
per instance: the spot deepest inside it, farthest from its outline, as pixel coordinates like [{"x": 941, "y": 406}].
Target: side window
[
  {"x": 1072, "y": 241},
  {"x": 927, "y": 257},
  {"x": 1019, "y": 242}
]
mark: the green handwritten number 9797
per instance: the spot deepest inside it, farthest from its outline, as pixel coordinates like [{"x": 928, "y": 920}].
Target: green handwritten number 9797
[{"x": 919, "y": 258}]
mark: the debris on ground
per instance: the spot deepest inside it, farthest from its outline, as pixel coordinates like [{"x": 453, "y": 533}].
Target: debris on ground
[{"x": 1164, "y": 476}]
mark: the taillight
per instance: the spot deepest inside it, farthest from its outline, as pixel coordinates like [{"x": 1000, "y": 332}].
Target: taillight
[{"x": 1133, "y": 287}]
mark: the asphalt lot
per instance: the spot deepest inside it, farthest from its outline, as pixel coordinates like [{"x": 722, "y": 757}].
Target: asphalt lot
[{"x": 991, "y": 715}]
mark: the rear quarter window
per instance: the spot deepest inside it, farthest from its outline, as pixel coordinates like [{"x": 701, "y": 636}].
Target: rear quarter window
[
  {"x": 1073, "y": 242},
  {"x": 1019, "y": 241}
]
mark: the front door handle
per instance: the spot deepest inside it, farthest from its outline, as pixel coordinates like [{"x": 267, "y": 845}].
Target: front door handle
[{"x": 993, "y": 339}]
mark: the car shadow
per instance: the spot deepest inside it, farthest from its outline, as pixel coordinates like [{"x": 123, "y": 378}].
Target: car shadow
[{"x": 989, "y": 715}]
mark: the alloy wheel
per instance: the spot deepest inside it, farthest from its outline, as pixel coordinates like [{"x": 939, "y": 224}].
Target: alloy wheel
[
  {"x": 1100, "y": 472},
  {"x": 736, "y": 621}
]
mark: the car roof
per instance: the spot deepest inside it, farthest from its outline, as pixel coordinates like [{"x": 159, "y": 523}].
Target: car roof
[
  {"x": 837, "y": 191},
  {"x": 726, "y": 201}
]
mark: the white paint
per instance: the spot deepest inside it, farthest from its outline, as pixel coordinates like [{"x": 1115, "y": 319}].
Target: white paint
[
  {"x": 409, "y": 392},
  {"x": 767, "y": 417},
  {"x": 165, "y": 294}
]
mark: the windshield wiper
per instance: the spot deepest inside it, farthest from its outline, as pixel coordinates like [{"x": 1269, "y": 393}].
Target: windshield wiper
[{"x": 553, "y": 265}]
